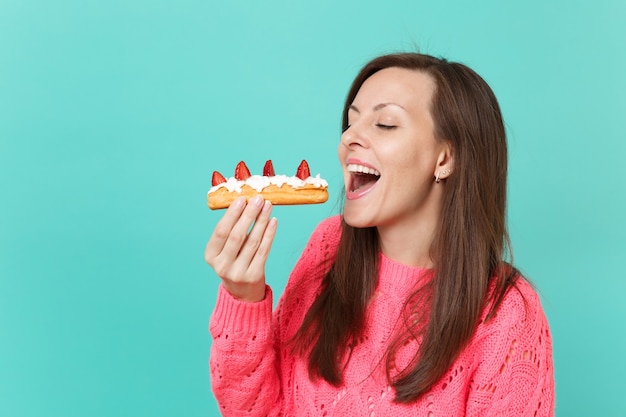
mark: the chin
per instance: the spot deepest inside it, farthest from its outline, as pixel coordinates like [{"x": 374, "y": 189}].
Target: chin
[{"x": 356, "y": 219}]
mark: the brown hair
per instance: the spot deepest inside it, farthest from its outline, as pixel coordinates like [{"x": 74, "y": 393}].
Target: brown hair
[{"x": 468, "y": 250}]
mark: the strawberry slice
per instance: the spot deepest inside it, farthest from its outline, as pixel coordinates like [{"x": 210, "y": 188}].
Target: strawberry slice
[
  {"x": 242, "y": 172},
  {"x": 268, "y": 169},
  {"x": 217, "y": 178},
  {"x": 303, "y": 171}
]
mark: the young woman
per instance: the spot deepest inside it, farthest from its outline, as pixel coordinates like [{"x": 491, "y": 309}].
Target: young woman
[{"x": 404, "y": 305}]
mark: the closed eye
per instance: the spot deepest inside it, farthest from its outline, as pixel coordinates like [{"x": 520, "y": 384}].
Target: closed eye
[{"x": 385, "y": 127}]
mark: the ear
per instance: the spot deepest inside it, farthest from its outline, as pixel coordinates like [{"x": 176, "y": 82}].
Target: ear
[{"x": 445, "y": 162}]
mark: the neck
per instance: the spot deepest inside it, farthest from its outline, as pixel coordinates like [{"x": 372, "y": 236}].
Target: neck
[
  {"x": 409, "y": 247},
  {"x": 409, "y": 241}
]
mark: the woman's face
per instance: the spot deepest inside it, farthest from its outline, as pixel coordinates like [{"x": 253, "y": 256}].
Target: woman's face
[{"x": 389, "y": 154}]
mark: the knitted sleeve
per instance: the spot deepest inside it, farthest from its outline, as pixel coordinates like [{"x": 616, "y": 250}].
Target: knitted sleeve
[
  {"x": 514, "y": 375},
  {"x": 243, "y": 371},
  {"x": 248, "y": 354}
]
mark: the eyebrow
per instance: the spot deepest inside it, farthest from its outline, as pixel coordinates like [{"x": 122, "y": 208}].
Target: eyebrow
[{"x": 376, "y": 107}]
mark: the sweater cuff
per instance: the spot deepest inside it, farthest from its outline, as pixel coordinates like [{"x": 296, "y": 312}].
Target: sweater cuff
[{"x": 240, "y": 317}]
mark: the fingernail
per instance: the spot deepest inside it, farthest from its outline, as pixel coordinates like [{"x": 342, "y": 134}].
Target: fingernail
[
  {"x": 239, "y": 202},
  {"x": 257, "y": 201},
  {"x": 267, "y": 207}
]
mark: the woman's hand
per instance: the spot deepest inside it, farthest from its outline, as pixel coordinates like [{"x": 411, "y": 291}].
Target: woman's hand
[{"x": 239, "y": 247}]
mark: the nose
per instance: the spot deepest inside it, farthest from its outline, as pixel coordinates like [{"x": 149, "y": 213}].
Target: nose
[{"x": 353, "y": 136}]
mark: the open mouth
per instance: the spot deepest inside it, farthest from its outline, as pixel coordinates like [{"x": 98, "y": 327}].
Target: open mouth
[{"x": 362, "y": 178}]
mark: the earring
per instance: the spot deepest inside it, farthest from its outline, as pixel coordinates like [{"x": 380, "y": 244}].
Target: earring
[{"x": 444, "y": 172}]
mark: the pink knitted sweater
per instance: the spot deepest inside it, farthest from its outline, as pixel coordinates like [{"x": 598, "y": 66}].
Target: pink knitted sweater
[{"x": 506, "y": 370}]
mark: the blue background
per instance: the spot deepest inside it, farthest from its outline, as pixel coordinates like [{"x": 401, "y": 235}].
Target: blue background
[{"x": 114, "y": 114}]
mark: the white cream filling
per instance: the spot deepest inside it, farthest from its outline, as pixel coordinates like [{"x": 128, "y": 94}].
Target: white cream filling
[{"x": 259, "y": 182}]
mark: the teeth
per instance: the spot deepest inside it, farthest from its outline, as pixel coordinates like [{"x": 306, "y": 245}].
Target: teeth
[{"x": 362, "y": 169}]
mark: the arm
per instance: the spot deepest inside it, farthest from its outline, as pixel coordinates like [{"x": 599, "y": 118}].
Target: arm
[
  {"x": 243, "y": 373},
  {"x": 245, "y": 359},
  {"x": 244, "y": 370},
  {"x": 515, "y": 375}
]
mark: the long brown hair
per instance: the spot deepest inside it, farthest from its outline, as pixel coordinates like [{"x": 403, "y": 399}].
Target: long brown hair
[{"x": 468, "y": 250}]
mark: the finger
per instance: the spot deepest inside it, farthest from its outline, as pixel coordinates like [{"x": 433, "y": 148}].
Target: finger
[
  {"x": 263, "y": 251},
  {"x": 223, "y": 229},
  {"x": 239, "y": 232},
  {"x": 255, "y": 236}
]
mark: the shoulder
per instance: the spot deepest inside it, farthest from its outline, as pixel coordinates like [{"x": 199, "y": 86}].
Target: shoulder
[
  {"x": 328, "y": 228},
  {"x": 518, "y": 321},
  {"x": 320, "y": 251},
  {"x": 511, "y": 356},
  {"x": 307, "y": 275},
  {"x": 325, "y": 238},
  {"x": 326, "y": 235},
  {"x": 521, "y": 304}
]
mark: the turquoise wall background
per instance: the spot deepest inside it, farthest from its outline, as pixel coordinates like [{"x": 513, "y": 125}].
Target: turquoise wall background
[{"x": 114, "y": 114}]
